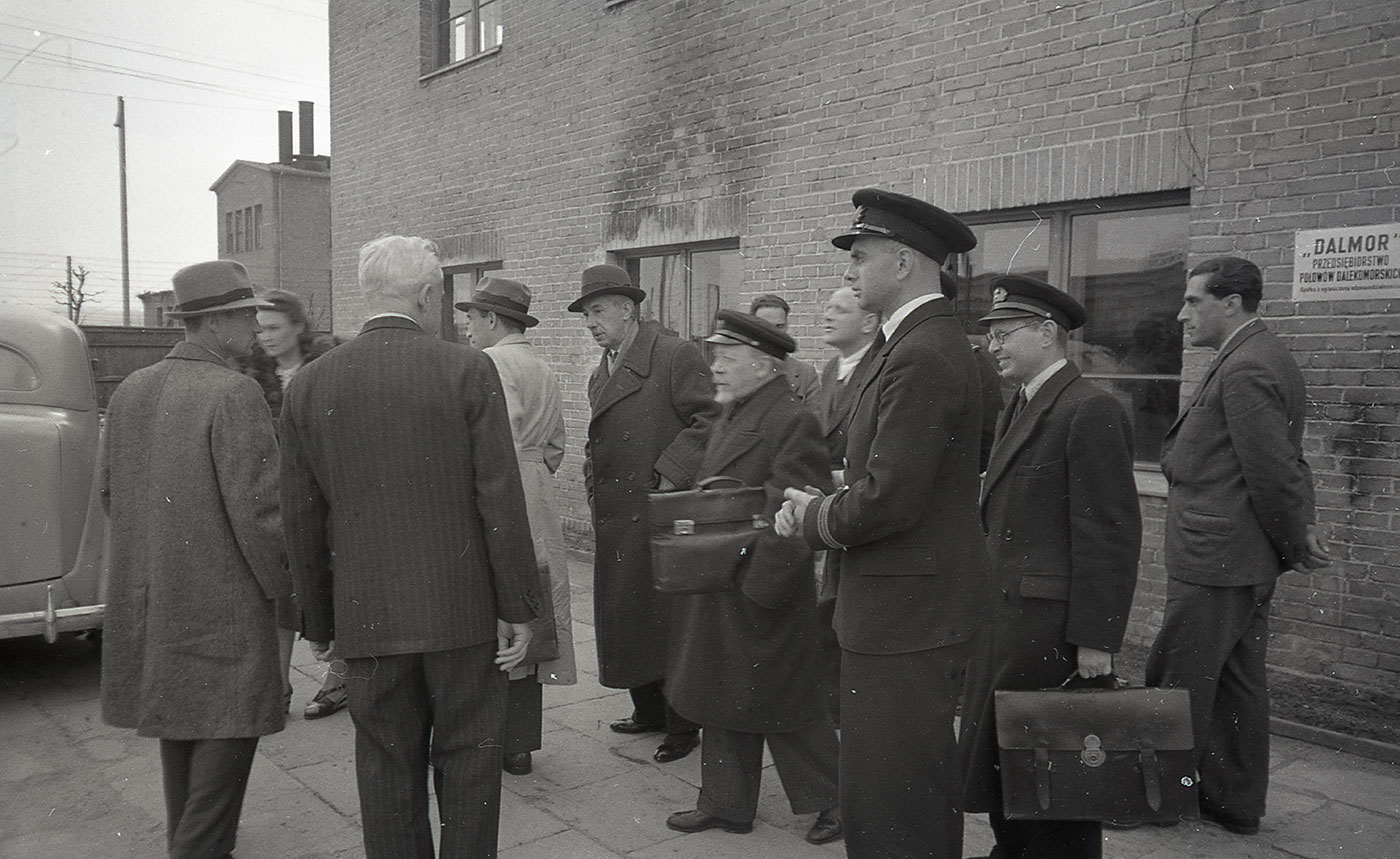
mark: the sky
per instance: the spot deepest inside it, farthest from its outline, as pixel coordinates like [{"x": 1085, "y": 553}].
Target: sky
[{"x": 202, "y": 83}]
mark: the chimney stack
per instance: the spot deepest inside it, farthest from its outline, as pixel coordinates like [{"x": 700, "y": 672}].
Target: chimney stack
[
  {"x": 284, "y": 136},
  {"x": 308, "y": 134}
]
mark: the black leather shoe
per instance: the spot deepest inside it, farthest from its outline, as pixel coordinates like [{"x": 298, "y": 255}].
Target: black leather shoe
[
  {"x": 517, "y": 763},
  {"x": 826, "y": 828},
  {"x": 1237, "y": 825},
  {"x": 696, "y": 820},
  {"x": 327, "y": 701},
  {"x": 631, "y": 726},
  {"x": 676, "y": 746}
]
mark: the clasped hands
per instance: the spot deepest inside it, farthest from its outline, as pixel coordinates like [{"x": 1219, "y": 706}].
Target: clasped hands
[
  {"x": 512, "y": 640},
  {"x": 788, "y": 522}
]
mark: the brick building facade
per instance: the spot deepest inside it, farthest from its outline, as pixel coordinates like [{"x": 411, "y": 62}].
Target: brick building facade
[{"x": 1108, "y": 146}]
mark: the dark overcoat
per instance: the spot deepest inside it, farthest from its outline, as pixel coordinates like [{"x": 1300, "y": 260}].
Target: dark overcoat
[
  {"x": 1241, "y": 495},
  {"x": 832, "y": 404},
  {"x": 398, "y": 464},
  {"x": 1060, "y": 509},
  {"x": 913, "y": 562},
  {"x": 190, "y": 476},
  {"x": 649, "y": 417},
  {"x": 748, "y": 659}
]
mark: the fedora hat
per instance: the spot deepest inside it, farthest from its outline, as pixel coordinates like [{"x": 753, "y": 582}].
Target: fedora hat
[
  {"x": 212, "y": 287},
  {"x": 606, "y": 280},
  {"x": 508, "y": 298}
]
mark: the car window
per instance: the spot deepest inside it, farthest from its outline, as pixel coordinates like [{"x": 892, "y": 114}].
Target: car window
[{"x": 17, "y": 373}]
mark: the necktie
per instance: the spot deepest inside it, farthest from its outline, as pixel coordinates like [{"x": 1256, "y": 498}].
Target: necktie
[
  {"x": 879, "y": 341},
  {"x": 1019, "y": 405}
]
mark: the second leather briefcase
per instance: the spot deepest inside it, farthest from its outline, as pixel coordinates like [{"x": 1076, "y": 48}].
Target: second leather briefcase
[
  {"x": 1089, "y": 754},
  {"x": 700, "y": 538}
]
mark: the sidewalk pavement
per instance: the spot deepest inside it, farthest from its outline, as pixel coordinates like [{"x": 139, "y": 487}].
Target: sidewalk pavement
[{"x": 72, "y": 786}]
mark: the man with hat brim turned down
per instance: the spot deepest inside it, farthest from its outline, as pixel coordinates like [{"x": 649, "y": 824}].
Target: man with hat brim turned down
[
  {"x": 189, "y": 475},
  {"x": 1060, "y": 511},
  {"x": 652, "y": 401},
  {"x": 498, "y": 313},
  {"x": 745, "y": 663},
  {"x": 913, "y": 588}
]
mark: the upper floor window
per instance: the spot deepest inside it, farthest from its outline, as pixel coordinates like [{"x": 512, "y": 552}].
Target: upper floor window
[
  {"x": 1124, "y": 259},
  {"x": 687, "y": 285},
  {"x": 458, "y": 283},
  {"x": 243, "y": 229},
  {"x": 466, "y": 28}
]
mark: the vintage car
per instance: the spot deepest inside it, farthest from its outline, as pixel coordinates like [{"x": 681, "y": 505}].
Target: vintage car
[{"x": 52, "y": 524}]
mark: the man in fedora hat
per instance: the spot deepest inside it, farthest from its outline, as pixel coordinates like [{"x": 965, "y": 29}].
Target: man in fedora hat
[
  {"x": 498, "y": 313},
  {"x": 912, "y": 590},
  {"x": 1060, "y": 510},
  {"x": 190, "y": 651},
  {"x": 652, "y": 401},
  {"x": 409, "y": 543}
]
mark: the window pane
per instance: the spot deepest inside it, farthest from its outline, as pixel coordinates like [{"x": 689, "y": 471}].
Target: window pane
[
  {"x": 461, "y": 33},
  {"x": 663, "y": 278},
  {"x": 716, "y": 278},
  {"x": 1016, "y": 247},
  {"x": 1128, "y": 268},
  {"x": 16, "y": 372},
  {"x": 491, "y": 30}
]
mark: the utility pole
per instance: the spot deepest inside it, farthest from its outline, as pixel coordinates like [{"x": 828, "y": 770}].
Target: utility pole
[{"x": 126, "y": 261}]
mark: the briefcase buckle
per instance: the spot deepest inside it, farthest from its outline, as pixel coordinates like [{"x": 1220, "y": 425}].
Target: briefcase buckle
[
  {"x": 683, "y": 527},
  {"x": 1093, "y": 754},
  {"x": 759, "y": 523}
]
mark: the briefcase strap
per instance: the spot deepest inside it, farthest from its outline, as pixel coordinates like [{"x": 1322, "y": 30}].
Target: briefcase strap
[
  {"x": 1152, "y": 778},
  {"x": 1042, "y": 778}
]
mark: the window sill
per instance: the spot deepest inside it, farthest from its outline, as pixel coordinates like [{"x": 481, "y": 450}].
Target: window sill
[{"x": 452, "y": 67}]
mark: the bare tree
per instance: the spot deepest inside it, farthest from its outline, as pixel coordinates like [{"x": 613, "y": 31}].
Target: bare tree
[{"x": 73, "y": 293}]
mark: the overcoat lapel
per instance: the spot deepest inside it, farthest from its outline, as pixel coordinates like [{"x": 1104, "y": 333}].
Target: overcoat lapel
[
  {"x": 1014, "y": 435},
  {"x": 925, "y": 311},
  {"x": 1253, "y": 327},
  {"x": 737, "y": 433},
  {"x": 633, "y": 366}
]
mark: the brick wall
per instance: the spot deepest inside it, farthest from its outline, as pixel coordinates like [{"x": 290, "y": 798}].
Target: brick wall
[{"x": 598, "y": 129}]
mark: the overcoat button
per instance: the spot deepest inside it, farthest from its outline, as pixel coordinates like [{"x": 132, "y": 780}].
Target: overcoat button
[
  {"x": 635, "y": 517},
  {"x": 626, "y": 436}
]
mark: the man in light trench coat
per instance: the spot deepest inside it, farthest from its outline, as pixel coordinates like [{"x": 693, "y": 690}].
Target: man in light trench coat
[{"x": 190, "y": 651}]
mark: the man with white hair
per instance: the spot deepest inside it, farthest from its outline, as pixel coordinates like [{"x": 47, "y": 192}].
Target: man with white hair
[{"x": 410, "y": 548}]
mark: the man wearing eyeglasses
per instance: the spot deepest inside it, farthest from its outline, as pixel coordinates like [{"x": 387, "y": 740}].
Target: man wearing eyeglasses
[
  {"x": 1060, "y": 510},
  {"x": 913, "y": 590}
]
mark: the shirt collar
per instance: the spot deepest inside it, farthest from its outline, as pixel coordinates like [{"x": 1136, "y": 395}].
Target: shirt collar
[
  {"x": 909, "y": 307},
  {"x": 1226, "y": 341},
  {"x": 846, "y": 364},
  {"x": 393, "y": 313},
  {"x": 1034, "y": 385}
]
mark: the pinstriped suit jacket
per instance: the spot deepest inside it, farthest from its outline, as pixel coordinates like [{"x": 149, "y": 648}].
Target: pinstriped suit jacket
[{"x": 401, "y": 496}]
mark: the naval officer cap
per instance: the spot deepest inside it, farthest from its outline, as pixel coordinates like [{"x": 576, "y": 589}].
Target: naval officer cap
[
  {"x": 908, "y": 220},
  {"x": 1015, "y": 296},
  {"x": 733, "y": 327}
]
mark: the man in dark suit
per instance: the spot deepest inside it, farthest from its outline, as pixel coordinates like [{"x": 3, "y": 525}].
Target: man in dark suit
[
  {"x": 1060, "y": 511},
  {"x": 913, "y": 590},
  {"x": 652, "y": 402},
  {"x": 410, "y": 548},
  {"x": 1239, "y": 512}
]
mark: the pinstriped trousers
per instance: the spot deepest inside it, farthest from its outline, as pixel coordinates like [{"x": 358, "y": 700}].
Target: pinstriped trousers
[{"x": 445, "y": 708}]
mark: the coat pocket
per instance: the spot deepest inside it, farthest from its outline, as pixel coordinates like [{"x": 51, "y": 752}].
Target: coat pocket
[{"x": 1209, "y": 523}]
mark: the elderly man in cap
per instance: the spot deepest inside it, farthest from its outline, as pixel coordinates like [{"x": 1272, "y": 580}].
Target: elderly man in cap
[
  {"x": 913, "y": 588},
  {"x": 652, "y": 402},
  {"x": 498, "y": 313},
  {"x": 774, "y": 310},
  {"x": 1060, "y": 511},
  {"x": 190, "y": 651},
  {"x": 1240, "y": 511},
  {"x": 745, "y": 663},
  {"x": 410, "y": 546}
]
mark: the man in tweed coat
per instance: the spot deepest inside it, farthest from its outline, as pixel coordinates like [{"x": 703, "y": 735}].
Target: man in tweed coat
[
  {"x": 190, "y": 479},
  {"x": 410, "y": 546}
]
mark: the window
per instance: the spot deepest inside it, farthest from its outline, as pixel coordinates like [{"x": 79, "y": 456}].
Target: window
[
  {"x": 238, "y": 231},
  {"x": 686, "y": 286},
  {"x": 228, "y": 232},
  {"x": 1125, "y": 260},
  {"x": 466, "y": 28},
  {"x": 256, "y": 212},
  {"x": 458, "y": 283}
]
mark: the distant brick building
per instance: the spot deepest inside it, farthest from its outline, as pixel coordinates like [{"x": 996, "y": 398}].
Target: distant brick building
[
  {"x": 276, "y": 219},
  {"x": 1107, "y": 146}
]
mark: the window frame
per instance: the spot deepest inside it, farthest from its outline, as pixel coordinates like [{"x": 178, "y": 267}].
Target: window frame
[
  {"x": 442, "y": 34},
  {"x": 477, "y": 271},
  {"x": 631, "y": 260}
]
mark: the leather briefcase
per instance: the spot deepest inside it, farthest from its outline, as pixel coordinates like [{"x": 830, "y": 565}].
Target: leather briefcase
[
  {"x": 1122, "y": 754},
  {"x": 700, "y": 537}
]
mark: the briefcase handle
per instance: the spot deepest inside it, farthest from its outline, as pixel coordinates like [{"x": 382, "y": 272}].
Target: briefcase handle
[
  {"x": 711, "y": 482},
  {"x": 1110, "y": 681}
]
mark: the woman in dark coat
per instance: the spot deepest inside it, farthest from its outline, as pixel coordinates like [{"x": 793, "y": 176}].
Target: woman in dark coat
[
  {"x": 745, "y": 662},
  {"x": 285, "y": 344}
]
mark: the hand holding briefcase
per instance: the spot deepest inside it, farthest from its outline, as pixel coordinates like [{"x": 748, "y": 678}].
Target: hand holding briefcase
[
  {"x": 1097, "y": 754},
  {"x": 699, "y": 538}
]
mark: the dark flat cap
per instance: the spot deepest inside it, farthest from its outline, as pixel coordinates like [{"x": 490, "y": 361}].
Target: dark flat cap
[
  {"x": 908, "y": 220},
  {"x": 508, "y": 298},
  {"x": 212, "y": 287},
  {"x": 733, "y": 327},
  {"x": 1015, "y": 296},
  {"x": 606, "y": 280}
]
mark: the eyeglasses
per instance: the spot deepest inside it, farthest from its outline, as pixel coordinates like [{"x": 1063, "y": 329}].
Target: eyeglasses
[{"x": 999, "y": 337}]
